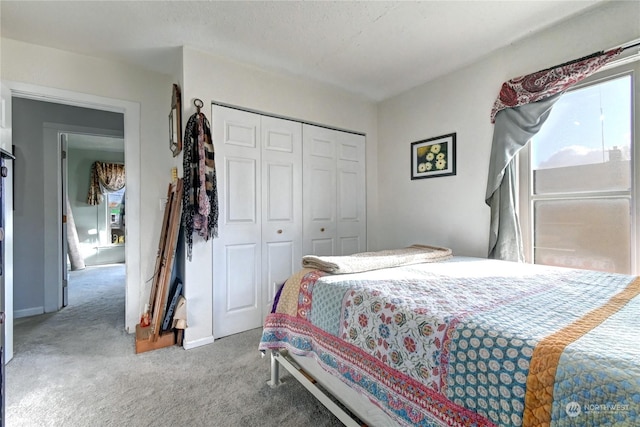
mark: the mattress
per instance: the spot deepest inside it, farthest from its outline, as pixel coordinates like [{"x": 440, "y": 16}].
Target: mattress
[{"x": 471, "y": 341}]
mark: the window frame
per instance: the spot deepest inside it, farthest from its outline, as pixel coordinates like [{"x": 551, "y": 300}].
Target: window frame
[{"x": 524, "y": 173}]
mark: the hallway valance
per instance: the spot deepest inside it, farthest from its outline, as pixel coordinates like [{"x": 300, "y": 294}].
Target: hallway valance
[{"x": 105, "y": 178}]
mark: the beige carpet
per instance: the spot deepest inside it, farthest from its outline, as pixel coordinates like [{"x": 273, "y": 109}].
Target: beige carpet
[{"x": 78, "y": 367}]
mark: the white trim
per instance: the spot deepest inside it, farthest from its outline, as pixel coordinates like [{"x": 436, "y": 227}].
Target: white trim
[
  {"x": 51, "y": 137},
  {"x": 197, "y": 343},
  {"x": 131, "y": 111},
  {"x": 28, "y": 312}
]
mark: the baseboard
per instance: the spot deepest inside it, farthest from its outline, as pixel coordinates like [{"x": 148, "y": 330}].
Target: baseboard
[
  {"x": 27, "y": 312},
  {"x": 197, "y": 343}
]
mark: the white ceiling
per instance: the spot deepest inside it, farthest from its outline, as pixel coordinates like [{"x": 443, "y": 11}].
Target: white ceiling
[{"x": 373, "y": 48}]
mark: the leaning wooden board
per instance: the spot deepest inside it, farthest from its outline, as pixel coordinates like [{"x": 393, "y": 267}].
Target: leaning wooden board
[{"x": 149, "y": 337}]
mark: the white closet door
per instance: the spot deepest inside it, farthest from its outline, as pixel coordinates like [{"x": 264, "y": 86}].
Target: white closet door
[
  {"x": 319, "y": 195},
  {"x": 237, "y": 290},
  {"x": 351, "y": 195},
  {"x": 281, "y": 204}
]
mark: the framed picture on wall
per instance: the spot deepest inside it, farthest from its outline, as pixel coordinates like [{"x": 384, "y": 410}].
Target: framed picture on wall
[
  {"x": 175, "y": 122},
  {"x": 433, "y": 157}
]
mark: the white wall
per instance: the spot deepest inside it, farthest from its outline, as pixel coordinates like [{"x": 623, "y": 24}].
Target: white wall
[
  {"x": 209, "y": 79},
  {"x": 216, "y": 79},
  {"x": 34, "y": 65},
  {"x": 450, "y": 211}
]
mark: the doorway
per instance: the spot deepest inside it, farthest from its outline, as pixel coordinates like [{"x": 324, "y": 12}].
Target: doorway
[
  {"x": 131, "y": 116},
  {"x": 93, "y": 234}
]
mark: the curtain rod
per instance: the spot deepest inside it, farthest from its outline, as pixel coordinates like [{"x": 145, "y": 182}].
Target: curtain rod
[
  {"x": 573, "y": 61},
  {"x": 636, "y": 44},
  {"x": 111, "y": 163}
]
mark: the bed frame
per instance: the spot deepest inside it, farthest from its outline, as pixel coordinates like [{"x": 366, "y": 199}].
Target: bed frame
[{"x": 360, "y": 411}]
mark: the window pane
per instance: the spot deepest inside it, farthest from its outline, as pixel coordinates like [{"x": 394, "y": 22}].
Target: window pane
[
  {"x": 585, "y": 144},
  {"x": 587, "y": 233}
]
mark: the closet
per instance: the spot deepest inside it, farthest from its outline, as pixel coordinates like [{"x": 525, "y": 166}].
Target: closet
[{"x": 285, "y": 189}]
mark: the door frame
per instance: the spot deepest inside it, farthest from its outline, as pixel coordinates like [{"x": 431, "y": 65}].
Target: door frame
[
  {"x": 62, "y": 140},
  {"x": 52, "y": 133},
  {"x": 131, "y": 112}
]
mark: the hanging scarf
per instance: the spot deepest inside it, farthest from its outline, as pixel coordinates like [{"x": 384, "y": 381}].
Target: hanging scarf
[{"x": 200, "y": 197}]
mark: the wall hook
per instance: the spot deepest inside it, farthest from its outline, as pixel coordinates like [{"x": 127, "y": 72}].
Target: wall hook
[{"x": 199, "y": 104}]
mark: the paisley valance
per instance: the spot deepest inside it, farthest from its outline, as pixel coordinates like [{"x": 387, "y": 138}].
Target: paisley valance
[
  {"x": 545, "y": 83},
  {"x": 105, "y": 178}
]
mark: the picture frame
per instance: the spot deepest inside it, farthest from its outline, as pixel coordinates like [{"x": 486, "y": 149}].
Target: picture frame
[
  {"x": 434, "y": 157},
  {"x": 175, "y": 122}
]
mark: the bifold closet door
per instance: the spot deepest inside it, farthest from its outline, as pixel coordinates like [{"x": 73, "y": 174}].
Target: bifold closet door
[
  {"x": 282, "y": 204},
  {"x": 351, "y": 220},
  {"x": 259, "y": 161},
  {"x": 319, "y": 196},
  {"x": 334, "y": 197},
  {"x": 237, "y": 276}
]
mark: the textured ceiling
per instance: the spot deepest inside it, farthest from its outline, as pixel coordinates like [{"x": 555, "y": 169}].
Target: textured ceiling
[{"x": 376, "y": 49}]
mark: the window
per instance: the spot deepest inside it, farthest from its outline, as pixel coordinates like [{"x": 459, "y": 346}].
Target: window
[
  {"x": 115, "y": 215},
  {"x": 578, "y": 180}
]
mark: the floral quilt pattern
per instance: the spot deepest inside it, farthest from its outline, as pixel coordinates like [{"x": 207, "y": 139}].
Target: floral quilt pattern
[
  {"x": 451, "y": 343},
  {"x": 409, "y": 341}
]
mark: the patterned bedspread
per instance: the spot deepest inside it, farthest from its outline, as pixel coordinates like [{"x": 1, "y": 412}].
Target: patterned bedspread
[{"x": 469, "y": 341}]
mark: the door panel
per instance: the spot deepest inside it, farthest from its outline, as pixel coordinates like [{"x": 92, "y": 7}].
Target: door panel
[
  {"x": 351, "y": 189},
  {"x": 282, "y": 204},
  {"x": 319, "y": 198},
  {"x": 242, "y": 289},
  {"x": 348, "y": 196},
  {"x": 279, "y": 201},
  {"x": 240, "y": 190},
  {"x": 322, "y": 247},
  {"x": 281, "y": 261},
  {"x": 65, "y": 246},
  {"x": 236, "y": 264},
  {"x": 350, "y": 245},
  {"x": 239, "y": 133},
  {"x": 322, "y": 199}
]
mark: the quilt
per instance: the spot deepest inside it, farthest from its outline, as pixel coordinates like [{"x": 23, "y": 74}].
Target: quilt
[
  {"x": 367, "y": 261},
  {"x": 472, "y": 342}
]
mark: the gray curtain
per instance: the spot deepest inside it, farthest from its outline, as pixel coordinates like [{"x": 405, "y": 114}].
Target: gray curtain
[{"x": 514, "y": 127}]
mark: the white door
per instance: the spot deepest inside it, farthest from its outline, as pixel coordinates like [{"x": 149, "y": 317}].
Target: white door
[
  {"x": 6, "y": 279},
  {"x": 319, "y": 196},
  {"x": 237, "y": 293},
  {"x": 64, "y": 205},
  {"x": 281, "y": 204},
  {"x": 351, "y": 195}
]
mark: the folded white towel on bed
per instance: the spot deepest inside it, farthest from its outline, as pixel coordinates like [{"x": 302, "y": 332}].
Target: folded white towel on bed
[{"x": 366, "y": 261}]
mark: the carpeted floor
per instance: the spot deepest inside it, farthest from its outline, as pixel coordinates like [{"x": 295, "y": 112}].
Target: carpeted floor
[{"x": 78, "y": 367}]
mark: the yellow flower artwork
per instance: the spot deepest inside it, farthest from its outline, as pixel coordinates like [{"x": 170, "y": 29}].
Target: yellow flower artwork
[{"x": 433, "y": 157}]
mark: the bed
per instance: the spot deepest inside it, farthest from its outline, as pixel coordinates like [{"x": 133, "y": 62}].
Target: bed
[{"x": 462, "y": 341}]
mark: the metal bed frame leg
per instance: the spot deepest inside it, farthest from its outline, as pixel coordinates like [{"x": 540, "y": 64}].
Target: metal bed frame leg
[
  {"x": 310, "y": 384},
  {"x": 275, "y": 370}
]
